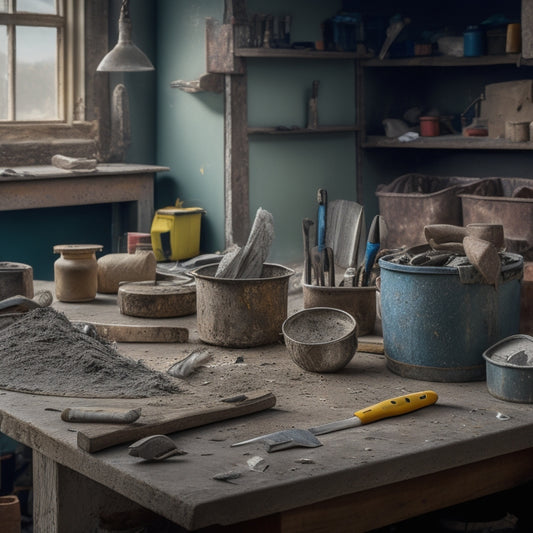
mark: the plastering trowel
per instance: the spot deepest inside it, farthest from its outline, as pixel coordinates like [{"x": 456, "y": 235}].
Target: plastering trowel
[{"x": 291, "y": 438}]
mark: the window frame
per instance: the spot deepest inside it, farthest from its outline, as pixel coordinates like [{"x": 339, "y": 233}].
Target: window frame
[{"x": 84, "y": 125}]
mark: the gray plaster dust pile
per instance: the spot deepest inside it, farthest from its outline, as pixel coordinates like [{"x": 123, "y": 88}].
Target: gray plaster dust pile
[{"x": 44, "y": 353}]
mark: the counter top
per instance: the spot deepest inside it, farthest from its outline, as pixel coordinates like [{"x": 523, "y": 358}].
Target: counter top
[{"x": 465, "y": 429}]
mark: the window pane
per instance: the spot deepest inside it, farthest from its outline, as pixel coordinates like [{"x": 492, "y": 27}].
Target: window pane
[
  {"x": 37, "y": 6},
  {"x": 3, "y": 6},
  {"x": 36, "y": 87}
]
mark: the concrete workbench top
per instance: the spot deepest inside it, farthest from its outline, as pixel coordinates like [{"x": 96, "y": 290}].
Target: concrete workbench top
[{"x": 467, "y": 425}]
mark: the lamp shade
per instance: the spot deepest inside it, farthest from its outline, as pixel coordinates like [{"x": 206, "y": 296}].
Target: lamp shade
[{"x": 125, "y": 56}]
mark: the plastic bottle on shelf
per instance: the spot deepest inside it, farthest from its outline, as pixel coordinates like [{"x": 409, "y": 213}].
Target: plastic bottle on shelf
[{"x": 473, "y": 41}]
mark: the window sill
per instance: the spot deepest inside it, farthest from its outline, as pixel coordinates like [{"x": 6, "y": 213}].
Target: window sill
[{"x": 35, "y": 144}]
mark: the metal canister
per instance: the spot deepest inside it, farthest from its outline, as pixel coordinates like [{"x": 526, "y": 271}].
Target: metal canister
[{"x": 473, "y": 41}]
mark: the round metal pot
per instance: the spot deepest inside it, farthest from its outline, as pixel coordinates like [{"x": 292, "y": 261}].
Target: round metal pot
[
  {"x": 321, "y": 339},
  {"x": 241, "y": 313},
  {"x": 510, "y": 369}
]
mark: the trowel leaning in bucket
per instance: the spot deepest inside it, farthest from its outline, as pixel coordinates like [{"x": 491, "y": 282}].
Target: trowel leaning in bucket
[{"x": 292, "y": 438}]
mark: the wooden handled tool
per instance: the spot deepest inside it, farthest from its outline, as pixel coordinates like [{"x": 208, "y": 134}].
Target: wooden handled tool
[{"x": 95, "y": 437}]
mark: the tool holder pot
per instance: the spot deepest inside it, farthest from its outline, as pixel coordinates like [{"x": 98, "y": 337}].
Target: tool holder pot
[
  {"x": 241, "y": 313},
  {"x": 360, "y": 302},
  {"x": 436, "y": 323}
]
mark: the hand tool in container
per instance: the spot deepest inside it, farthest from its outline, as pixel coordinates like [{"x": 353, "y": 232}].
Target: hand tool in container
[
  {"x": 346, "y": 232},
  {"x": 306, "y": 225},
  {"x": 291, "y": 438},
  {"x": 372, "y": 248},
  {"x": 322, "y": 255},
  {"x": 95, "y": 437}
]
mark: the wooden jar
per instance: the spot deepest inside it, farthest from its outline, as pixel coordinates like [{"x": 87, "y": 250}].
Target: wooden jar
[{"x": 75, "y": 272}]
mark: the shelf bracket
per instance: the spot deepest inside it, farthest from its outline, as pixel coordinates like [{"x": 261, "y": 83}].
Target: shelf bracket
[{"x": 213, "y": 83}]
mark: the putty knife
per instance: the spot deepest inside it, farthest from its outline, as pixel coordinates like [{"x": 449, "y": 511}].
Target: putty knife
[{"x": 290, "y": 438}]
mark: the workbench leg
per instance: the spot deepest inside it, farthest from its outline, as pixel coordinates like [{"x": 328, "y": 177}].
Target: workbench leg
[
  {"x": 45, "y": 485},
  {"x": 66, "y": 502}
]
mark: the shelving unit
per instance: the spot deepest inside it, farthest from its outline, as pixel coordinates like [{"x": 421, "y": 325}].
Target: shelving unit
[
  {"x": 320, "y": 130},
  {"x": 225, "y": 57},
  {"x": 466, "y": 78},
  {"x": 447, "y": 142},
  {"x": 443, "y": 142},
  {"x": 293, "y": 53}
]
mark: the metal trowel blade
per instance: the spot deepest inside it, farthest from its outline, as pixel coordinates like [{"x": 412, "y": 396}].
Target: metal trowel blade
[{"x": 288, "y": 438}]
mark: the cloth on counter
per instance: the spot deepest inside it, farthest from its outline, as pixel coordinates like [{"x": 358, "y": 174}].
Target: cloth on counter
[{"x": 81, "y": 164}]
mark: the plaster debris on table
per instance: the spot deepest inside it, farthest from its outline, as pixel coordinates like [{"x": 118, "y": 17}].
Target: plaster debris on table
[{"x": 44, "y": 353}]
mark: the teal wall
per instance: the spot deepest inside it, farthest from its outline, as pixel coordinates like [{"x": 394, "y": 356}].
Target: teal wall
[
  {"x": 186, "y": 133},
  {"x": 29, "y": 236},
  {"x": 190, "y": 127},
  {"x": 285, "y": 171}
]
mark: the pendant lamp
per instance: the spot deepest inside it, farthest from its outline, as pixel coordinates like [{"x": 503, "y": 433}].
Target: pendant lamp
[{"x": 125, "y": 56}]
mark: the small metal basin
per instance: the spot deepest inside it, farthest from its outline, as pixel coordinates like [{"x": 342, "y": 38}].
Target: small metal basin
[
  {"x": 510, "y": 369},
  {"x": 320, "y": 339}
]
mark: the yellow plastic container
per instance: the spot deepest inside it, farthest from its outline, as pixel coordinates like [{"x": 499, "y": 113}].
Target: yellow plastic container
[{"x": 175, "y": 233}]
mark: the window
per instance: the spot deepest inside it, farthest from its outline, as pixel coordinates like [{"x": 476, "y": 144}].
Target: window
[
  {"x": 51, "y": 100},
  {"x": 38, "y": 81}
]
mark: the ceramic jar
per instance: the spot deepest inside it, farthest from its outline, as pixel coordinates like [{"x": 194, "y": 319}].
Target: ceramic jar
[
  {"x": 75, "y": 272},
  {"x": 429, "y": 126},
  {"x": 10, "y": 514}
]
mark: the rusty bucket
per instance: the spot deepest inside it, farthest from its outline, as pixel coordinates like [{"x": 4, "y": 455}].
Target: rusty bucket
[{"x": 241, "y": 313}]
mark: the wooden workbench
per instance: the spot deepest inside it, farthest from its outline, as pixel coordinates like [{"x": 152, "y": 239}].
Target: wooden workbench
[
  {"x": 122, "y": 184},
  {"x": 358, "y": 480}
]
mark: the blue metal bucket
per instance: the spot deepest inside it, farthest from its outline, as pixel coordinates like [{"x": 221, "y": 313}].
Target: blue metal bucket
[{"x": 436, "y": 326}]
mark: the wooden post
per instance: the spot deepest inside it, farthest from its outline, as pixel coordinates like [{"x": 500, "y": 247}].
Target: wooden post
[{"x": 236, "y": 151}]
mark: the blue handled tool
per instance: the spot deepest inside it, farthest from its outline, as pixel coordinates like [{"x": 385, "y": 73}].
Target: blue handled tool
[
  {"x": 372, "y": 248},
  {"x": 322, "y": 255}
]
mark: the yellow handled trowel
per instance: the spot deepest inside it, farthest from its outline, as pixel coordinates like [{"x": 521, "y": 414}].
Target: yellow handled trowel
[{"x": 291, "y": 438}]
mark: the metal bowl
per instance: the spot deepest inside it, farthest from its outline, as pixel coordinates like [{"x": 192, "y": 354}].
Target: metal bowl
[
  {"x": 510, "y": 369},
  {"x": 320, "y": 339}
]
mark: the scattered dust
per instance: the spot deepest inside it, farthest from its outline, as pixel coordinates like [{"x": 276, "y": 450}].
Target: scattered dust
[{"x": 44, "y": 353}]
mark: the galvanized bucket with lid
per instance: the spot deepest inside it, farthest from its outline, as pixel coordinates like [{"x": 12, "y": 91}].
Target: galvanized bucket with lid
[{"x": 436, "y": 325}]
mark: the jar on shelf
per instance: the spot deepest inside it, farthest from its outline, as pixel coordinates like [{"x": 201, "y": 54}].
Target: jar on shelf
[
  {"x": 474, "y": 42},
  {"x": 75, "y": 272}
]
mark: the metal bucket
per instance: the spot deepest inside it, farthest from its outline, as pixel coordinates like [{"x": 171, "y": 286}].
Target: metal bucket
[
  {"x": 436, "y": 327},
  {"x": 360, "y": 302},
  {"x": 509, "y": 369},
  {"x": 240, "y": 313}
]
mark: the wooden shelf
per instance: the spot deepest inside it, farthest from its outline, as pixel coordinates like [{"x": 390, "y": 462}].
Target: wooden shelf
[
  {"x": 447, "y": 61},
  {"x": 294, "y": 53},
  {"x": 281, "y": 130},
  {"x": 447, "y": 142}
]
